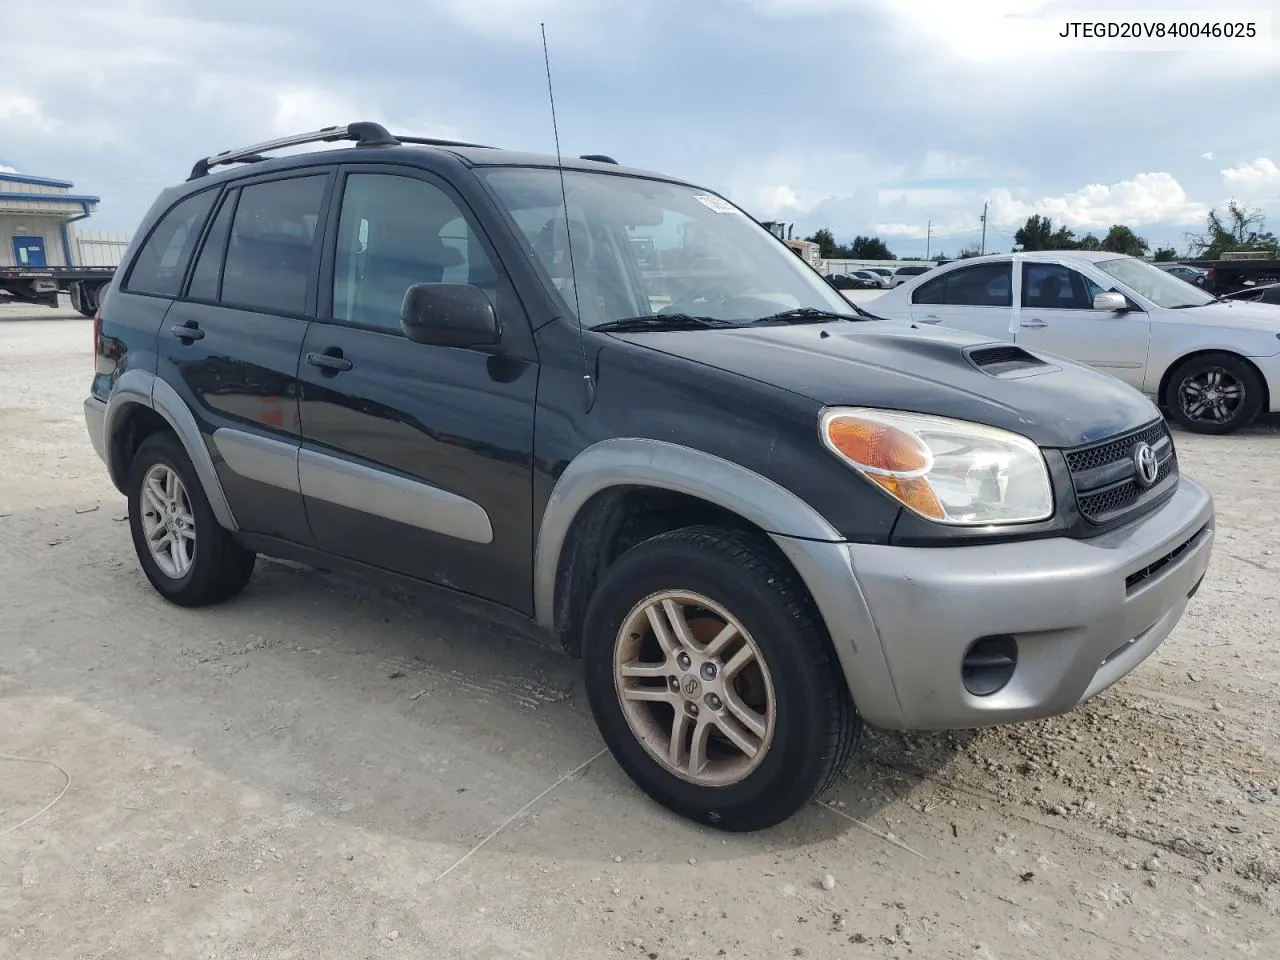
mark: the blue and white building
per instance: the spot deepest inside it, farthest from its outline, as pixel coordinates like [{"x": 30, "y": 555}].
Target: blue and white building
[{"x": 37, "y": 221}]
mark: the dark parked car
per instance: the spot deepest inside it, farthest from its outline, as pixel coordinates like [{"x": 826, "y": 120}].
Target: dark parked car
[
  {"x": 1193, "y": 275},
  {"x": 903, "y": 274},
  {"x": 759, "y": 515},
  {"x": 1263, "y": 293},
  {"x": 850, "y": 281}
]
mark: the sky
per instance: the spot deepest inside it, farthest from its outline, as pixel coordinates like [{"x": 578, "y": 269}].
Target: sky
[{"x": 894, "y": 118}]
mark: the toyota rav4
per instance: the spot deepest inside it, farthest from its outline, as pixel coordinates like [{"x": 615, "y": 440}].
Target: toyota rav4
[{"x": 613, "y": 402}]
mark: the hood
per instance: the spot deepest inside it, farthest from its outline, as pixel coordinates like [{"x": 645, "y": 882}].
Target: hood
[
  {"x": 1259, "y": 317},
  {"x": 899, "y": 366}
]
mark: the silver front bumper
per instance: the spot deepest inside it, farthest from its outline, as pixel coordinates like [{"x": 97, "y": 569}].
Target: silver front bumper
[{"x": 1083, "y": 612}]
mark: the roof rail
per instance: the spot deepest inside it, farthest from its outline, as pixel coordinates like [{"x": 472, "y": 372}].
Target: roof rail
[
  {"x": 434, "y": 142},
  {"x": 598, "y": 158},
  {"x": 364, "y": 133}
]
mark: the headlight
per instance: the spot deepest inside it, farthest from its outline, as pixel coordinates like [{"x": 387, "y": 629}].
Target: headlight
[{"x": 945, "y": 470}]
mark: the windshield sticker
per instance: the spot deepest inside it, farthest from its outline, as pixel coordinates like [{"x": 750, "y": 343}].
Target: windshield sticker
[{"x": 718, "y": 205}]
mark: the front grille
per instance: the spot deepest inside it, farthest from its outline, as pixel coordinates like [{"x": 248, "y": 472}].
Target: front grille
[
  {"x": 1105, "y": 476},
  {"x": 1139, "y": 577}
]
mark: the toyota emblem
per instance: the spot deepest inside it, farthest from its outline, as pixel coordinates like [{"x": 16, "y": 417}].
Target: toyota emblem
[{"x": 1144, "y": 461}]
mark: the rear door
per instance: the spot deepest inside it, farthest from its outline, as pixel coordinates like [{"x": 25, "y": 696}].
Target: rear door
[
  {"x": 230, "y": 346},
  {"x": 977, "y": 298},
  {"x": 416, "y": 458},
  {"x": 1057, "y": 316}
]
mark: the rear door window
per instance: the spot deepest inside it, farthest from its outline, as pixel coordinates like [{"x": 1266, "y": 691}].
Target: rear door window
[
  {"x": 982, "y": 285},
  {"x": 206, "y": 277},
  {"x": 272, "y": 245}
]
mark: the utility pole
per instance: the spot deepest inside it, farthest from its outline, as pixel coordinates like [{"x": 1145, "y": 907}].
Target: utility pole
[
  {"x": 928, "y": 241},
  {"x": 983, "y": 249}
]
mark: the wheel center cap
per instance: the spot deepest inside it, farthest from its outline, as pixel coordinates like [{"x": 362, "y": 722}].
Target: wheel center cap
[{"x": 691, "y": 687}]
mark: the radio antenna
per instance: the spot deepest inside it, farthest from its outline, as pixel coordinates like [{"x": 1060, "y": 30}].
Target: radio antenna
[{"x": 564, "y": 200}]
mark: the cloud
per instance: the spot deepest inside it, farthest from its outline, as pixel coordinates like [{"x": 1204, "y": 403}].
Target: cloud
[
  {"x": 5, "y": 168},
  {"x": 1259, "y": 180},
  {"x": 1207, "y": 155},
  {"x": 763, "y": 100},
  {"x": 775, "y": 199},
  {"x": 1147, "y": 198},
  {"x": 24, "y": 115}
]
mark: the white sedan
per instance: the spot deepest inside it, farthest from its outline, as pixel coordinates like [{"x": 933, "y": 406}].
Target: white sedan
[{"x": 1213, "y": 364}]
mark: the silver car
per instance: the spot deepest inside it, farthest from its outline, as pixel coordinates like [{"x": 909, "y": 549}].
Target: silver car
[{"x": 1213, "y": 364}]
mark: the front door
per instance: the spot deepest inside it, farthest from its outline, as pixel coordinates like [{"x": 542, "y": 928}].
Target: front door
[
  {"x": 977, "y": 298},
  {"x": 29, "y": 252},
  {"x": 417, "y": 458},
  {"x": 1057, "y": 317}
]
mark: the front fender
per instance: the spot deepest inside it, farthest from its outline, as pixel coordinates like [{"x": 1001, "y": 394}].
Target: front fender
[{"x": 636, "y": 462}]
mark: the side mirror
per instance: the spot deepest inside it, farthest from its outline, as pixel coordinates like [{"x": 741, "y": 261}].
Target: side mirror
[
  {"x": 449, "y": 315},
  {"x": 1111, "y": 302}
]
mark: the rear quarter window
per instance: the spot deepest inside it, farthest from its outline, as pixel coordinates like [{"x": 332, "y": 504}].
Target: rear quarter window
[{"x": 162, "y": 260}]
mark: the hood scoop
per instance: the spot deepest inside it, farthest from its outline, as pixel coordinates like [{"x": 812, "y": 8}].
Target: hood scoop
[{"x": 1006, "y": 361}]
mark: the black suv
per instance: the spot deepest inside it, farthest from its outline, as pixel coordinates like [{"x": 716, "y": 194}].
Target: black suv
[{"x": 613, "y": 402}]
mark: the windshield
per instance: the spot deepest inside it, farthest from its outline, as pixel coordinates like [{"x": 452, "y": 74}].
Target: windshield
[
  {"x": 1159, "y": 286},
  {"x": 643, "y": 248}
]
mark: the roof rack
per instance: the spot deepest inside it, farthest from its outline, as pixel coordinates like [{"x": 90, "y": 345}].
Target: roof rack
[
  {"x": 433, "y": 142},
  {"x": 364, "y": 133}
]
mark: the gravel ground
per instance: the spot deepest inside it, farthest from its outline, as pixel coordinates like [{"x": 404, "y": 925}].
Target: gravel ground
[{"x": 330, "y": 768}]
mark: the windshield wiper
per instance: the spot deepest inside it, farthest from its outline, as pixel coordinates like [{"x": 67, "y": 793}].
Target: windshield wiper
[
  {"x": 663, "y": 321},
  {"x": 811, "y": 315}
]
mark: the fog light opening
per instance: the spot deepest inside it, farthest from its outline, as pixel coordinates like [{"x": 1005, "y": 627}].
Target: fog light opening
[{"x": 989, "y": 664}]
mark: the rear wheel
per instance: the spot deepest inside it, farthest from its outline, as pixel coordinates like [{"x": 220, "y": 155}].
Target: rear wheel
[
  {"x": 1214, "y": 393},
  {"x": 185, "y": 553},
  {"x": 712, "y": 679}
]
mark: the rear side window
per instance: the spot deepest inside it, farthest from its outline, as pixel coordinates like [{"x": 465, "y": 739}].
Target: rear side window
[
  {"x": 273, "y": 237},
  {"x": 983, "y": 285},
  {"x": 162, "y": 260}
]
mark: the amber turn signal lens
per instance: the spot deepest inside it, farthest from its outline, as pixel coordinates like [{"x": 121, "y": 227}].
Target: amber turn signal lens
[
  {"x": 878, "y": 447},
  {"x": 914, "y": 493}
]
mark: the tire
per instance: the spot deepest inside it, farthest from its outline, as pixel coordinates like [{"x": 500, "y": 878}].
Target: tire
[
  {"x": 811, "y": 727},
  {"x": 1230, "y": 373},
  {"x": 210, "y": 566},
  {"x": 85, "y": 300}
]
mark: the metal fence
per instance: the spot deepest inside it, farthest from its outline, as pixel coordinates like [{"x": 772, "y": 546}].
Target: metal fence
[
  {"x": 101, "y": 248},
  {"x": 828, "y": 267}
]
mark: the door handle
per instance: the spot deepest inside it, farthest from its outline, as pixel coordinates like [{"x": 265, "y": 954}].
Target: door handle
[
  {"x": 931, "y": 318},
  {"x": 187, "y": 332},
  {"x": 1034, "y": 324},
  {"x": 330, "y": 362}
]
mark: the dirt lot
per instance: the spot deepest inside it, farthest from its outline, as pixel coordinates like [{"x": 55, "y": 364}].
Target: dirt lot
[{"x": 312, "y": 771}]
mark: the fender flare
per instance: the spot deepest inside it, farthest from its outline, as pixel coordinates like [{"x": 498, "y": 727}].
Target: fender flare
[
  {"x": 638, "y": 462},
  {"x": 143, "y": 389}
]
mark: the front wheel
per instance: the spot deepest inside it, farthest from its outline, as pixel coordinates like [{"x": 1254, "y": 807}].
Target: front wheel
[
  {"x": 1214, "y": 393},
  {"x": 713, "y": 681}
]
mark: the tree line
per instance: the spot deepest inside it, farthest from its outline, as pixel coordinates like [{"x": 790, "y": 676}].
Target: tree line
[{"x": 1238, "y": 228}]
